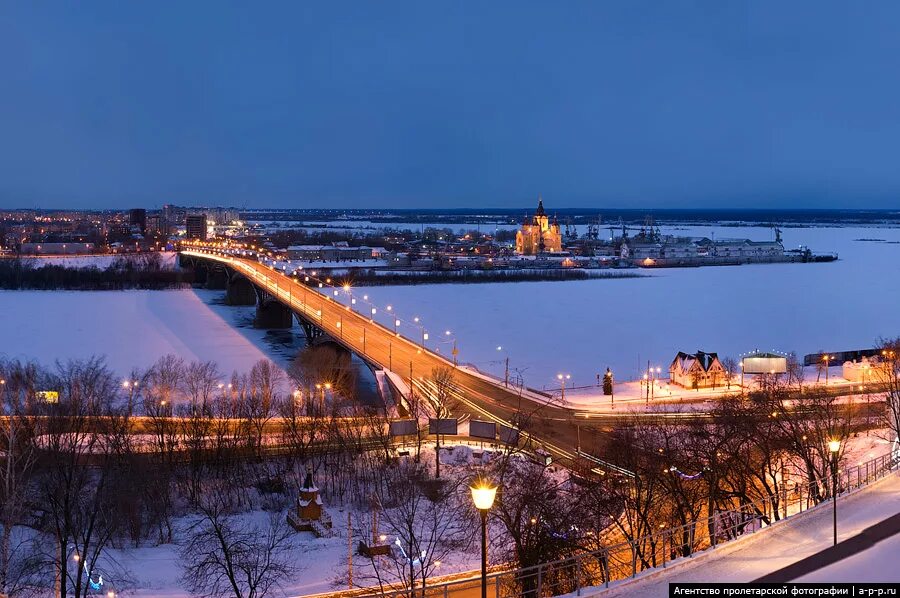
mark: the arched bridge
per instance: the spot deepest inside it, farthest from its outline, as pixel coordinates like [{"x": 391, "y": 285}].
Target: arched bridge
[{"x": 279, "y": 297}]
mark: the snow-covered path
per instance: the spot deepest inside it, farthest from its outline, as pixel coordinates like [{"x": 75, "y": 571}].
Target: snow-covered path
[
  {"x": 877, "y": 564},
  {"x": 787, "y": 542}
]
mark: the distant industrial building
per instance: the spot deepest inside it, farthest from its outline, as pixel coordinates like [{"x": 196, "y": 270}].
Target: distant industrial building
[
  {"x": 196, "y": 226},
  {"x": 336, "y": 252}
]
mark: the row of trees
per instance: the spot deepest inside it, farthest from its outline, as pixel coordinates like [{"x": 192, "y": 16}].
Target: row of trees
[
  {"x": 114, "y": 464},
  {"x": 138, "y": 271}
]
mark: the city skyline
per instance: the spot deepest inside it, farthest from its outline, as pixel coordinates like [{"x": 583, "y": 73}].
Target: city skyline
[{"x": 404, "y": 106}]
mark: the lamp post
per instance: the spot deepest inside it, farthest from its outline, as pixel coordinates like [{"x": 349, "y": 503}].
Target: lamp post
[
  {"x": 483, "y": 494},
  {"x": 562, "y": 382},
  {"x": 834, "y": 446},
  {"x": 646, "y": 390},
  {"x": 826, "y": 359},
  {"x": 130, "y": 385}
]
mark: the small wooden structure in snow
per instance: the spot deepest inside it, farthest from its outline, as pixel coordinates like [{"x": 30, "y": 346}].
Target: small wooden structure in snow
[{"x": 309, "y": 515}]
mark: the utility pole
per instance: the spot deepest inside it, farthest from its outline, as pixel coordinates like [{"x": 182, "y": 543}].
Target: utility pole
[
  {"x": 349, "y": 553},
  {"x": 506, "y": 374}
]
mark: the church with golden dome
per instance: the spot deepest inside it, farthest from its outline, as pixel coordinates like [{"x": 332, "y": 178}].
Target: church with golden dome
[{"x": 538, "y": 234}]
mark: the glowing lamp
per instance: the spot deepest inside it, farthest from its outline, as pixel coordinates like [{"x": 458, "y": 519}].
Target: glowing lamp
[
  {"x": 483, "y": 495},
  {"x": 834, "y": 445}
]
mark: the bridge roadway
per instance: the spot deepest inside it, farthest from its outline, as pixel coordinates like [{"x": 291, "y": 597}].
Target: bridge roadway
[{"x": 480, "y": 396}]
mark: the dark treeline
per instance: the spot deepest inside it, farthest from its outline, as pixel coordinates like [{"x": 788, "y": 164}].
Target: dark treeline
[
  {"x": 124, "y": 273},
  {"x": 373, "y": 278}
]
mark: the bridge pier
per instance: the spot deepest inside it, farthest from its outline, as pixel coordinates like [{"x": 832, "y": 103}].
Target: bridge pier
[
  {"x": 217, "y": 278},
  {"x": 239, "y": 291},
  {"x": 272, "y": 314},
  {"x": 310, "y": 331},
  {"x": 201, "y": 271}
]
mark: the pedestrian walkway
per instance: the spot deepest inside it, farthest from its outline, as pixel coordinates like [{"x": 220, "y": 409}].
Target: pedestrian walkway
[
  {"x": 859, "y": 543},
  {"x": 871, "y": 514}
]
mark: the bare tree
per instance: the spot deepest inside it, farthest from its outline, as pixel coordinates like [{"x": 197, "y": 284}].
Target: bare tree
[
  {"x": 83, "y": 439},
  {"x": 201, "y": 378},
  {"x": 537, "y": 515},
  {"x": 808, "y": 422},
  {"x": 163, "y": 382},
  {"x": 226, "y": 557},
  {"x": 888, "y": 374},
  {"x": 439, "y": 404},
  {"x": 425, "y": 526},
  {"x": 731, "y": 367},
  {"x": 18, "y": 560},
  {"x": 263, "y": 391}
]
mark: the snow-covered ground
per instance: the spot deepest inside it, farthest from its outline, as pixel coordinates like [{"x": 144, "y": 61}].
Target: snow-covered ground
[
  {"x": 321, "y": 563},
  {"x": 583, "y": 327},
  {"x": 133, "y": 328},
  {"x": 633, "y": 394},
  {"x": 787, "y": 542},
  {"x": 877, "y": 564}
]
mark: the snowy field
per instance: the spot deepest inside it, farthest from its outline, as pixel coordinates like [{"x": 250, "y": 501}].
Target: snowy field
[
  {"x": 583, "y": 327},
  {"x": 133, "y": 328}
]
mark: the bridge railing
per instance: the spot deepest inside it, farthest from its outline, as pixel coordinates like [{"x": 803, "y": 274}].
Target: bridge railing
[{"x": 624, "y": 560}]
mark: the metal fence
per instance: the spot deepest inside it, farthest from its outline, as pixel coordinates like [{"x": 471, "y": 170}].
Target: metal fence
[{"x": 658, "y": 550}]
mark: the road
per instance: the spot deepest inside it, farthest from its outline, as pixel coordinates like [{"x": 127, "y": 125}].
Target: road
[
  {"x": 479, "y": 396},
  {"x": 559, "y": 430}
]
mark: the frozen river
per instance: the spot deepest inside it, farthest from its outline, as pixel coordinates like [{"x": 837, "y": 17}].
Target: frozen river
[
  {"x": 134, "y": 328},
  {"x": 582, "y": 327},
  {"x": 576, "y": 327}
]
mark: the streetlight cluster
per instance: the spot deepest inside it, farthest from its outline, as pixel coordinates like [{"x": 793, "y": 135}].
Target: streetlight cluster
[{"x": 266, "y": 257}]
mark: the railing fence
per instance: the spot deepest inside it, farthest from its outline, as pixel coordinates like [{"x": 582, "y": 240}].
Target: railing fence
[{"x": 658, "y": 550}]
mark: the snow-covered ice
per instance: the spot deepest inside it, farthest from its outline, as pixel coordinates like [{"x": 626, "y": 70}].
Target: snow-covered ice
[
  {"x": 583, "y": 327},
  {"x": 132, "y": 328}
]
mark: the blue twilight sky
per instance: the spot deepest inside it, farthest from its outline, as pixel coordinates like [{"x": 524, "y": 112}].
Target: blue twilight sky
[{"x": 449, "y": 104}]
